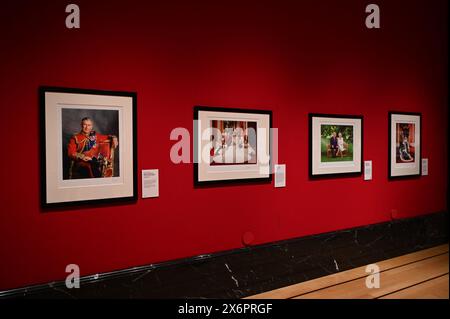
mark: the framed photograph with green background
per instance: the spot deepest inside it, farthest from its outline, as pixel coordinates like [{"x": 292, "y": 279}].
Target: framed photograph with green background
[
  {"x": 335, "y": 144},
  {"x": 404, "y": 144}
]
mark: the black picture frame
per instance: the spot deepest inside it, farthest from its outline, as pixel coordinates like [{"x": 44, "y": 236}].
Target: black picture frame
[
  {"x": 418, "y": 170},
  {"x": 312, "y": 171},
  {"x": 131, "y": 143},
  {"x": 201, "y": 183}
]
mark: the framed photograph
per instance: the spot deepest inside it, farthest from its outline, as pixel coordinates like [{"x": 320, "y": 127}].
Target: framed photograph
[
  {"x": 88, "y": 146},
  {"x": 404, "y": 144},
  {"x": 335, "y": 144},
  {"x": 231, "y": 145}
]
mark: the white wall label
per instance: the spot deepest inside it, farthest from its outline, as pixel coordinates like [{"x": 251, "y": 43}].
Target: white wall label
[
  {"x": 424, "y": 166},
  {"x": 150, "y": 183},
  {"x": 280, "y": 175},
  {"x": 367, "y": 170}
]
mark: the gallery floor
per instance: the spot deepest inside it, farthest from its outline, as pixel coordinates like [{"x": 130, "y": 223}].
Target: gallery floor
[{"x": 420, "y": 275}]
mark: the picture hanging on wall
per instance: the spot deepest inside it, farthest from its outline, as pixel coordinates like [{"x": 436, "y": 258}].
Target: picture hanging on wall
[
  {"x": 88, "y": 146},
  {"x": 231, "y": 145},
  {"x": 335, "y": 144},
  {"x": 404, "y": 144}
]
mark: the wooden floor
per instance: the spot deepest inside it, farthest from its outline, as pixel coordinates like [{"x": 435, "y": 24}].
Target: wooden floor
[{"x": 420, "y": 275}]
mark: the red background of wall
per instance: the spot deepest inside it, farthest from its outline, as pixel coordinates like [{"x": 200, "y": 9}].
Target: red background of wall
[{"x": 292, "y": 57}]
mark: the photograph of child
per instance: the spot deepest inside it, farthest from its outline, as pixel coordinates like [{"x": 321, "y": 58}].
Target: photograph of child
[{"x": 405, "y": 134}]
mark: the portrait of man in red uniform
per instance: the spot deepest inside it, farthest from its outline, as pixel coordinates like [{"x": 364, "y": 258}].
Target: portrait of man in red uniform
[{"x": 91, "y": 154}]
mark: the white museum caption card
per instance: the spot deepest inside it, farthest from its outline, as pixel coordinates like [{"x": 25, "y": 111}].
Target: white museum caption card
[
  {"x": 424, "y": 166},
  {"x": 150, "y": 183},
  {"x": 367, "y": 170},
  {"x": 280, "y": 175}
]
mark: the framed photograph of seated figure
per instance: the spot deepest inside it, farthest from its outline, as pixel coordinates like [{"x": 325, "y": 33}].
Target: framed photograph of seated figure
[
  {"x": 231, "y": 145},
  {"x": 335, "y": 145},
  {"x": 88, "y": 146},
  {"x": 404, "y": 144}
]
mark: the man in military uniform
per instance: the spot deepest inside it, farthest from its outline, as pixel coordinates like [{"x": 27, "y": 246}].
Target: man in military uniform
[
  {"x": 333, "y": 144},
  {"x": 90, "y": 153}
]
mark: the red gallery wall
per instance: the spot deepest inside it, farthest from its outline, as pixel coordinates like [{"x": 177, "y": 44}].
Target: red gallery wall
[{"x": 291, "y": 57}]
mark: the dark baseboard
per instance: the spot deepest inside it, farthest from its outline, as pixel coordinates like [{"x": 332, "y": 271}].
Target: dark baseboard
[{"x": 251, "y": 270}]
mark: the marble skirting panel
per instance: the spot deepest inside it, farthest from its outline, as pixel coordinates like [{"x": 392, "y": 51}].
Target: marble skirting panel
[{"x": 251, "y": 270}]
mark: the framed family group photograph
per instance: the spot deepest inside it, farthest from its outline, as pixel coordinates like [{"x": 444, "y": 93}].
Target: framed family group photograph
[
  {"x": 231, "y": 145},
  {"x": 404, "y": 144},
  {"x": 88, "y": 150},
  {"x": 335, "y": 144}
]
